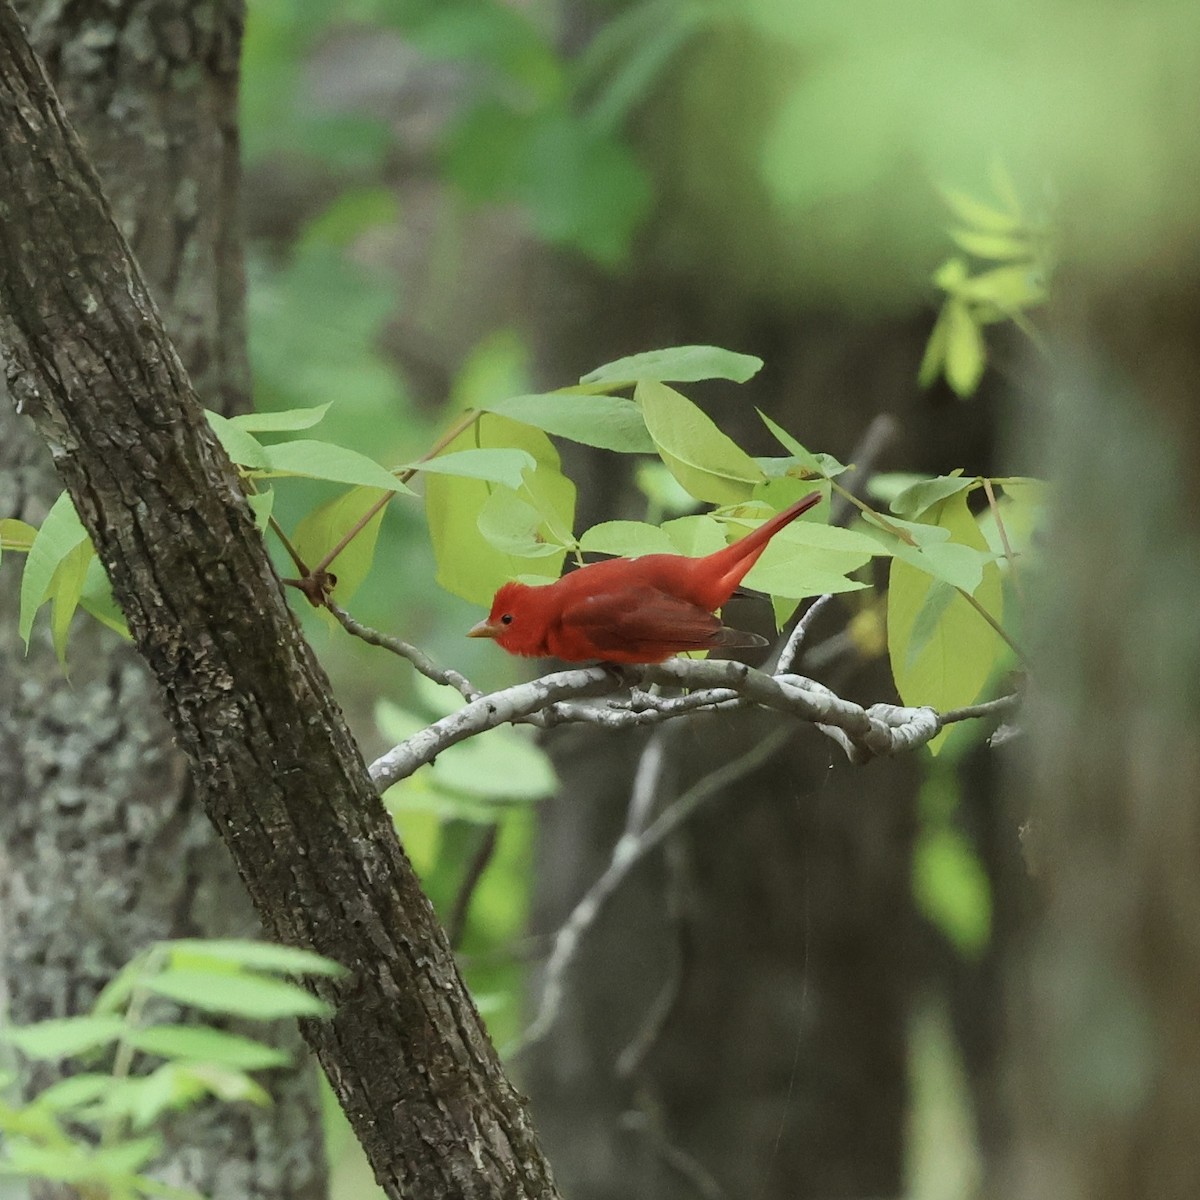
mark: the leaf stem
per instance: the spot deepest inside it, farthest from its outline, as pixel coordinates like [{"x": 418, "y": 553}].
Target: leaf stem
[{"x": 469, "y": 418}]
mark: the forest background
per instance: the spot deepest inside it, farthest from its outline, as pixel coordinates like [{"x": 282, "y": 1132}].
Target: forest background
[{"x": 448, "y": 204}]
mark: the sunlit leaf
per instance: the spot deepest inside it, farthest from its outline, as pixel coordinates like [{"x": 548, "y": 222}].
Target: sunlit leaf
[
  {"x": 63, "y": 1037},
  {"x": 241, "y": 446},
  {"x": 97, "y": 599},
  {"x": 467, "y": 564},
  {"x": 66, "y": 590},
  {"x": 708, "y": 463},
  {"x": 325, "y": 460},
  {"x": 513, "y": 526},
  {"x": 629, "y": 539},
  {"x": 199, "y": 1043},
  {"x": 991, "y": 245},
  {"x": 251, "y": 955},
  {"x": 608, "y": 422},
  {"x": 324, "y": 528},
  {"x": 960, "y": 649},
  {"x": 923, "y": 493},
  {"x": 237, "y": 995},
  {"x": 505, "y": 465},
  {"x": 59, "y": 534},
  {"x": 287, "y": 420},
  {"x": 678, "y": 364},
  {"x": 978, "y": 215},
  {"x": 965, "y": 352}
]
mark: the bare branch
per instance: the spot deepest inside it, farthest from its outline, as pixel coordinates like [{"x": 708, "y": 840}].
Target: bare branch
[
  {"x": 627, "y": 853},
  {"x": 418, "y": 658}
]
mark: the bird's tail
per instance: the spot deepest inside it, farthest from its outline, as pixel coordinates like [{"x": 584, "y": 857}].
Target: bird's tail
[{"x": 727, "y": 568}]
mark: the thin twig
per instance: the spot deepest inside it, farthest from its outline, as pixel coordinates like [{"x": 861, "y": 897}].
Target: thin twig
[
  {"x": 627, "y": 853},
  {"x": 1002, "y": 705},
  {"x": 459, "y": 427},
  {"x": 1000, "y": 630},
  {"x": 419, "y": 659},
  {"x": 292, "y": 552},
  {"x": 1008, "y": 550},
  {"x": 799, "y": 633}
]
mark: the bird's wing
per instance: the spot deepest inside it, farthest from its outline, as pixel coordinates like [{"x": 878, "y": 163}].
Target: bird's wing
[{"x": 643, "y": 624}]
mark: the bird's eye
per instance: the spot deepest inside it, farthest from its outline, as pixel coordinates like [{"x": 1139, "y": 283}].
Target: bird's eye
[{"x": 506, "y": 619}]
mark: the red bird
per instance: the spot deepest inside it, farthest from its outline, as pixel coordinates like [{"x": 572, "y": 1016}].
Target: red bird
[{"x": 632, "y": 610}]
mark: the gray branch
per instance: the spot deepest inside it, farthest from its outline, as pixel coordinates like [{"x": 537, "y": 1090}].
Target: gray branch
[{"x": 863, "y": 733}]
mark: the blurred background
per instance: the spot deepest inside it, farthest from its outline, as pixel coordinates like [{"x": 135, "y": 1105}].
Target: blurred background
[
  {"x": 453, "y": 201},
  {"x": 975, "y": 974}
]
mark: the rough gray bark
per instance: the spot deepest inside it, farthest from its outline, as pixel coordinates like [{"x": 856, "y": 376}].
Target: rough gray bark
[
  {"x": 272, "y": 760},
  {"x": 103, "y": 847},
  {"x": 1105, "y": 1044}
]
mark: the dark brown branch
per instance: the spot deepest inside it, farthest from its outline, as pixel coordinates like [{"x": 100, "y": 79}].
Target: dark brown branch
[{"x": 87, "y": 359}]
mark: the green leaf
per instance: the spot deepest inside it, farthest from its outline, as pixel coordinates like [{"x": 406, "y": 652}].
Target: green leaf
[
  {"x": 504, "y": 465},
  {"x": 261, "y": 505},
  {"x": 97, "y": 599},
  {"x": 1008, "y": 289},
  {"x": 231, "y": 1086},
  {"x": 244, "y": 449},
  {"x": 812, "y": 465},
  {"x": 512, "y": 526},
  {"x": 126, "y": 1157},
  {"x": 250, "y": 955},
  {"x": 952, "y": 890},
  {"x": 695, "y": 536},
  {"x": 324, "y": 460},
  {"x": 607, "y": 422},
  {"x": 809, "y": 558},
  {"x": 324, "y": 527},
  {"x": 924, "y": 493},
  {"x": 978, "y": 215},
  {"x": 960, "y": 651},
  {"x": 19, "y": 535},
  {"x": 200, "y": 1044},
  {"x": 679, "y": 364},
  {"x": 710, "y": 465},
  {"x": 66, "y": 590},
  {"x": 629, "y": 539},
  {"x": 349, "y": 216},
  {"x": 991, "y": 245},
  {"x": 934, "y": 359},
  {"x": 59, "y": 534},
  {"x": 64, "y": 1037},
  {"x": 237, "y": 995},
  {"x": 288, "y": 420},
  {"x": 76, "y": 1091},
  {"x": 508, "y": 767},
  {"x": 966, "y": 354},
  {"x": 467, "y": 564}
]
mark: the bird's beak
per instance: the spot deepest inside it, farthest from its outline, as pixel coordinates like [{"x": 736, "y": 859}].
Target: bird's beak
[{"x": 484, "y": 629}]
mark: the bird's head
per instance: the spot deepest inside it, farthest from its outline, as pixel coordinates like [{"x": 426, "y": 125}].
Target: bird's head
[{"x": 515, "y": 622}]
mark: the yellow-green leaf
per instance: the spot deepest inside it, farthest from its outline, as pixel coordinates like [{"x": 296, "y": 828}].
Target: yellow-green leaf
[
  {"x": 677, "y": 364},
  {"x": 944, "y": 660},
  {"x": 710, "y": 465},
  {"x": 467, "y": 563},
  {"x": 965, "y": 352},
  {"x": 59, "y": 534},
  {"x": 66, "y": 590},
  {"x": 324, "y": 527}
]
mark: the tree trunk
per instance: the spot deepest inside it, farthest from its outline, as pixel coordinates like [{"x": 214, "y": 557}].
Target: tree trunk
[
  {"x": 272, "y": 760},
  {"x": 104, "y": 846}
]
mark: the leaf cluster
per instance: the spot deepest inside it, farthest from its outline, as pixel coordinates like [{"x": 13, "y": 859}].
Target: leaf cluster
[{"x": 133, "y": 1062}]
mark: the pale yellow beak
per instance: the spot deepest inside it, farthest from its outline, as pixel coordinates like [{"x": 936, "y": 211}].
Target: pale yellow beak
[{"x": 484, "y": 629}]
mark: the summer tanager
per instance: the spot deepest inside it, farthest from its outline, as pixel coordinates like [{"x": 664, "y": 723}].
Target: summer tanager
[{"x": 632, "y": 610}]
